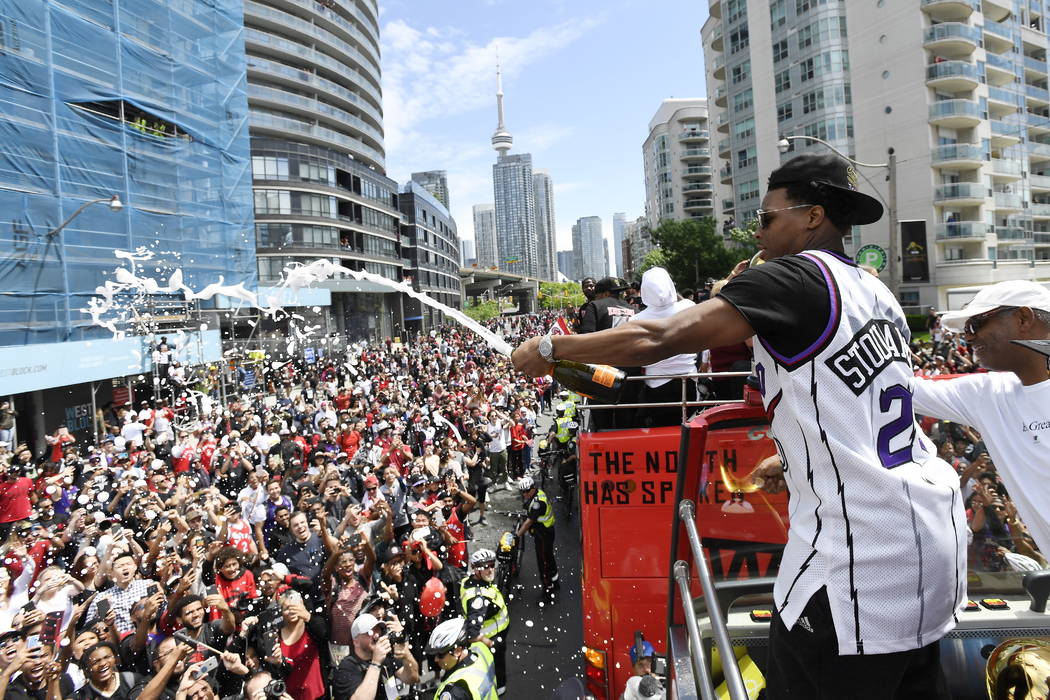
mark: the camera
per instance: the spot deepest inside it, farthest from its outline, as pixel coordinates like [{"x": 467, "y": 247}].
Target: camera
[{"x": 275, "y": 689}]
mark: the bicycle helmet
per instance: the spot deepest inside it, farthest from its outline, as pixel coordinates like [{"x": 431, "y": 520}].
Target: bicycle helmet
[
  {"x": 482, "y": 556},
  {"x": 526, "y": 484},
  {"x": 563, "y": 394},
  {"x": 447, "y": 636},
  {"x": 560, "y": 410},
  {"x": 647, "y": 651}
]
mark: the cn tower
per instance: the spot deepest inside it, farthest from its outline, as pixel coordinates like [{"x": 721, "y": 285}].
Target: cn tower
[{"x": 501, "y": 138}]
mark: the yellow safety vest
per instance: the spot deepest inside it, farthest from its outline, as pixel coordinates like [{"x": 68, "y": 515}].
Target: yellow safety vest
[
  {"x": 547, "y": 519},
  {"x": 561, "y": 427},
  {"x": 569, "y": 407},
  {"x": 493, "y": 625},
  {"x": 479, "y": 675}
]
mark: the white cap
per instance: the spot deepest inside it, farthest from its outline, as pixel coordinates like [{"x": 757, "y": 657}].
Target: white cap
[
  {"x": 277, "y": 568},
  {"x": 1014, "y": 293},
  {"x": 365, "y": 623}
]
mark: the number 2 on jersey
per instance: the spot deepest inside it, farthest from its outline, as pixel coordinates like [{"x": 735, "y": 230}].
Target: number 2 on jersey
[{"x": 895, "y": 400}]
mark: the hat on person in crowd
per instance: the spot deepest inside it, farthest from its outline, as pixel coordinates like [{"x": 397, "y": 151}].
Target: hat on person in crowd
[
  {"x": 371, "y": 481},
  {"x": 823, "y": 172},
  {"x": 643, "y": 688},
  {"x": 364, "y": 624},
  {"x": 277, "y": 569},
  {"x": 381, "y": 426},
  {"x": 421, "y": 481},
  {"x": 611, "y": 284},
  {"x": 284, "y": 431},
  {"x": 393, "y": 553},
  {"x": 11, "y": 634},
  {"x": 1015, "y": 293}
]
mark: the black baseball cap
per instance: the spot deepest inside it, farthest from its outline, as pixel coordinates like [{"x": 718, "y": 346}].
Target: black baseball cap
[
  {"x": 828, "y": 171},
  {"x": 611, "y": 284}
]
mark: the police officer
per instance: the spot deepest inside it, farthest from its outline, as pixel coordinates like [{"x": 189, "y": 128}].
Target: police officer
[
  {"x": 485, "y": 608},
  {"x": 561, "y": 431},
  {"x": 539, "y": 519},
  {"x": 467, "y": 667}
]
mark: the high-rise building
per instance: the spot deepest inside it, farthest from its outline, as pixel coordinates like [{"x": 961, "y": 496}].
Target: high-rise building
[
  {"x": 677, "y": 159},
  {"x": 436, "y": 183},
  {"x": 543, "y": 187},
  {"x": 637, "y": 243},
  {"x": 619, "y": 221},
  {"x": 145, "y": 102},
  {"x": 970, "y": 131},
  {"x": 567, "y": 264},
  {"x": 515, "y": 200},
  {"x": 318, "y": 159},
  {"x": 430, "y": 245},
  {"x": 467, "y": 256},
  {"x": 588, "y": 248},
  {"x": 485, "y": 235}
]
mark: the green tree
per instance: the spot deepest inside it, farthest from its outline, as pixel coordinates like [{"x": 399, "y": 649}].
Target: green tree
[
  {"x": 560, "y": 295},
  {"x": 742, "y": 240},
  {"x": 482, "y": 310},
  {"x": 654, "y": 258},
  {"x": 693, "y": 251}
]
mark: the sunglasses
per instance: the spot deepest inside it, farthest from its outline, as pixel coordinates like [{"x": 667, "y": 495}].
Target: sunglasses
[
  {"x": 975, "y": 323},
  {"x": 489, "y": 565},
  {"x": 761, "y": 215}
]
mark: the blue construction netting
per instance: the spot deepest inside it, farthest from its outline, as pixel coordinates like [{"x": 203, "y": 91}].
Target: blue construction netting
[{"x": 139, "y": 98}]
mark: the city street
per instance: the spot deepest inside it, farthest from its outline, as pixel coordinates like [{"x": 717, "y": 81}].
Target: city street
[{"x": 545, "y": 639}]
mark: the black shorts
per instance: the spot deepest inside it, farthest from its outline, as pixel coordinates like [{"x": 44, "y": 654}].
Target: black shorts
[{"x": 804, "y": 662}]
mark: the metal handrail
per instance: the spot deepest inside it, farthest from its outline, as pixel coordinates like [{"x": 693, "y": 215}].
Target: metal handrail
[
  {"x": 730, "y": 667},
  {"x": 696, "y": 645}
]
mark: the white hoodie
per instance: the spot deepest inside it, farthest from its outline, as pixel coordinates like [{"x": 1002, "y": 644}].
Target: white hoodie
[{"x": 661, "y": 300}]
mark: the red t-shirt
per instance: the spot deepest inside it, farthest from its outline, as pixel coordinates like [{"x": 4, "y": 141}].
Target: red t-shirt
[
  {"x": 457, "y": 551},
  {"x": 239, "y": 535},
  {"x": 14, "y": 499}
]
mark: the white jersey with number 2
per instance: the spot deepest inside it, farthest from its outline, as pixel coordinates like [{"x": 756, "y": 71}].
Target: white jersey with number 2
[{"x": 876, "y": 517}]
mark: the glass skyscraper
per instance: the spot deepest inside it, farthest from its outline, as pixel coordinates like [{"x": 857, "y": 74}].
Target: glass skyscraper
[{"x": 513, "y": 185}]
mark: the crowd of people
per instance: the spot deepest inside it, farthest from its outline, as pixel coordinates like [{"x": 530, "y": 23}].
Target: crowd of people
[
  {"x": 305, "y": 542},
  {"x": 314, "y": 539}
]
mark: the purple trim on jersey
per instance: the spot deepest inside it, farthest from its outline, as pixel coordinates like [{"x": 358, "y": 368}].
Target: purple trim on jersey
[
  {"x": 839, "y": 256},
  {"x": 833, "y": 319}
]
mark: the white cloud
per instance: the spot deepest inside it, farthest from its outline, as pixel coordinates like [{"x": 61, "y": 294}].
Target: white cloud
[{"x": 434, "y": 74}]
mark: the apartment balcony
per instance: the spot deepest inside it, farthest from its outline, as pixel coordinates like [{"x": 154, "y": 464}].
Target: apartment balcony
[
  {"x": 1006, "y": 99},
  {"x": 950, "y": 10},
  {"x": 964, "y": 231},
  {"x": 724, "y": 147},
  {"x": 1008, "y": 202},
  {"x": 1039, "y": 182},
  {"x": 697, "y": 188},
  {"x": 714, "y": 8},
  {"x": 694, "y": 136},
  {"x": 1035, "y": 95},
  {"x": 691, "y": 154},
  {"x": 1012, "y": 235},
  {"x": 1038, "y": 151},
  {"x": 721, "y": 96},
  {"x": 716, "y": 38},
  {"x": 952, "y": 39},
  {"x": 997, "y": 37},
  {"x": 720, "y": 67},
  {"x": 957, "y": 156},
  {"x": 1038, "y": 210},
  {"x": 965, "y": 271},
  {"x": 997, "y": 10},
  {"x": 1005, "y": 133},
  {"x": 1040, "y": 238},
  {"x": 960, "y": 194},
  {"x": 1000, "y": 70},
  {"x": 723, "y": 123},
  {"x": 1006, "y": 169},
  {"x": 726, "y": 174},
  {"x": 952, "y": 76},
  {"x": 697, "y": 205},
  {"x": 955, "y": 113},
  {"x": 1035, "y": 66},
  {"x": 697, "y": 171},
  {"x": 729, "y": 205}
]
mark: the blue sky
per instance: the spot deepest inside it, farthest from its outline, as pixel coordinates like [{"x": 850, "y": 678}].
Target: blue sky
[{"x": 581, "y": 79}]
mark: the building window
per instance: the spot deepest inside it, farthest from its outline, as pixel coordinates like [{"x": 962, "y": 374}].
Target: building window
[
  {"x": 834, "y": 129},
  {"x": 747, "y": 191},
  {"x": 782, "y": 81},
  {"x": 784, "y": 112},
  {"x": 780, "y": 50},
  {"x": 806, "y": 5},
  {"x": 735, "y": 9},
  {"x": 826, "y": 96},
  {"x": 821, "y": 31},
  {"x": 746, "y": 157},
  {"x": 738, "y": 40},
  {"x": 826, "y": 63},
  {"x": 744, "y": 128},
  {"x": 267, "y": 168},
  {"x": 741, "y": 71},
  {"x": 743, "y": 101},
  {"x": 777, "y": 13}
]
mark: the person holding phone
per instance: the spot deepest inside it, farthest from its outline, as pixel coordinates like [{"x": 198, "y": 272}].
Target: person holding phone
[
  {"x": 346, "y": 585},
  {"x": 300, "y": 636},
  {"x": 127, "y": 588}
]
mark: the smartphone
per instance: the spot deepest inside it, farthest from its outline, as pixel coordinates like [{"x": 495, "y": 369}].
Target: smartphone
[
  {"x": 152, "y": 590},
  {"x": 33, "y": 641},
  {"x": 52, "y": 626},
  {"x": 102, "y": 609},
  {"x": 207, "y": 666},
  {"x": 211, "y": 590}
]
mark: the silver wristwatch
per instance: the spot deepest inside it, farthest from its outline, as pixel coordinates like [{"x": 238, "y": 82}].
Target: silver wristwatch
[{"x": 547, "y": 349}]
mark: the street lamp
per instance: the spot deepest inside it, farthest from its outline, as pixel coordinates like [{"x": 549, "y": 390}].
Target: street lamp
[
  {"x": 114, "y": 204},
  {"x": 891, "y": 206}
]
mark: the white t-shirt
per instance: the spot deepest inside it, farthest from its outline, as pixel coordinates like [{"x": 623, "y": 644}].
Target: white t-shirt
[
  {"x": 1014, "y": 422},
  {"x": 132, "y": 432},
  {"x": 495, "y": 431}
]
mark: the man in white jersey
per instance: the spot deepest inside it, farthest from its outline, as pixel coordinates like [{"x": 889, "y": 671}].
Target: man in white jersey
[
  {"x": 1009, "y": 406},
  {"x": 874, "y": 569}
]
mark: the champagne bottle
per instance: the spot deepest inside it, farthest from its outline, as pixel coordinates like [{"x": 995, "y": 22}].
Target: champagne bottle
[{"x": 600, "y": 382}]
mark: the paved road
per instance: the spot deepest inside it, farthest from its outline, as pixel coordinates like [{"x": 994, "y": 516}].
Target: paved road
[{"x": 545, "y": 638}]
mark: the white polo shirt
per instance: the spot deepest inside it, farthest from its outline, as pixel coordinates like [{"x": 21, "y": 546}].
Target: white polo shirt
[{"x": 1014, "y": 422}]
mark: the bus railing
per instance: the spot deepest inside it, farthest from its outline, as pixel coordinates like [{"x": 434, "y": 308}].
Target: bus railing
[{"x": 684, "y": 403}]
